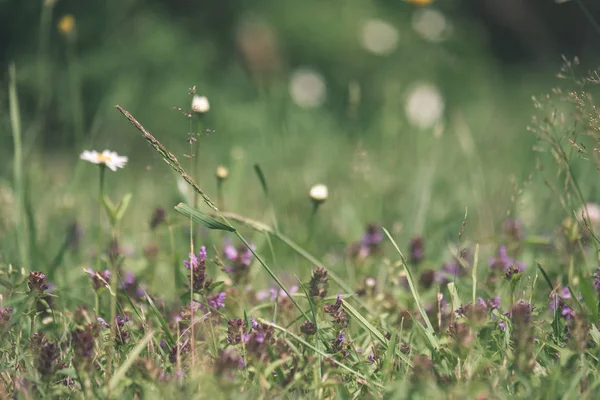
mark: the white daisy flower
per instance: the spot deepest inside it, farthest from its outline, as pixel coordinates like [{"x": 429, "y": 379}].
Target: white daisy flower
[
  {"x": 109, "y": 158},
  {"x": 200, "y": 104},
  {"x": 319, "y": 193}
]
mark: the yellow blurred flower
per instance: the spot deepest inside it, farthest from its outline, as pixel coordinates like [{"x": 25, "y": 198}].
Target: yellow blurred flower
[
  {"x": 420, "y": 2},
  {"x": 66, "y": 24}
]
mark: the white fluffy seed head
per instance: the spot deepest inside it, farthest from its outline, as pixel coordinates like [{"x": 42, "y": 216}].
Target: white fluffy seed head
[
  {"x": 200, "y": 104},
  {"x": 319, "y": 193},
  {"x": 424, "y": 106},
  {"x": 222, "y": 172},
  {"x": 379, "y": 37},
  {"x": 591, "y": 211},
  {"x": 307, "y": 88}
]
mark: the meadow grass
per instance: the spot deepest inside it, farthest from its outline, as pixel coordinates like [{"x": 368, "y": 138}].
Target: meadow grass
[{"x": 451, "y": 261}]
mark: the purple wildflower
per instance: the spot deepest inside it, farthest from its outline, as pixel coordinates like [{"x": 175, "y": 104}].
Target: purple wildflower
[
  {"x": 5, "y": 316},
  {"x": 273, "y": 294},
  {"x": 557, "y": 302},
  {"x": 416, "y": 251},
  {"x": 236, "y": 329},
  {"x": 340, "y": 345},
  {"x": 308, "y": 328},
  {"x": 318, "y": 283},
  {"x": 103, "y": 323},
  {"x": 47, "y": 359},
  {"x": 449, "y": 273},
  {"x": 239, "y": 260},
  {"x": 99, "y": 279},
  {"x": 83, "y": 340},
  {"x": 217, "y": 301},
  {"x": 131, "y": 286},
  {"x": 121, "y": 334},
  {"x": 37, "y": 282},
  {"x": 475, "y": 312},
  {"x": 158, "y": 217},
  {"x": 259, "y": 340},
  {"x": 228, "y": 360},
  {"x": 339, "y": 316},
  {"x": 372, "y": 238},
  {"x": 503, "y": 263},
  {"x": 494, "y": 303},
  {"x": 197, "y": 267},
  {"x": 597, "y": 280}
]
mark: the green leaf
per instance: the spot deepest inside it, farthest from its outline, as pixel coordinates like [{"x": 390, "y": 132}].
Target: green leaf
[
  {"x": 202, "y": 218},
  {"x": 122, "y": 207},
  {"x": 215, "y": 285},
  {"x": 262, "y": 179},
  {"x": 111, "y": 209}
]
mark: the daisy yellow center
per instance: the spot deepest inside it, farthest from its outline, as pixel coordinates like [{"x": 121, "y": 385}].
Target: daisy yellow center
[{"x": 103, "y": 158}]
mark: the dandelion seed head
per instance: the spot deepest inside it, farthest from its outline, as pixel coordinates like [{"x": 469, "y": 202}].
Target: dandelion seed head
[
  {"x": 379, "y": 37},
  {"x": 307, "y": 88},
  {"x": 319, "y": 193},
  {"x": 424, "y": 106},
  {"x": 200, "y": 104},
  {"x": 431, "y": 25}
]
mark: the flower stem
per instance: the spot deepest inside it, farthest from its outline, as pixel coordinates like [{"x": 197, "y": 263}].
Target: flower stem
[
  {"x": 19, "y": 177},
  {"x": 100, "y": 197}
]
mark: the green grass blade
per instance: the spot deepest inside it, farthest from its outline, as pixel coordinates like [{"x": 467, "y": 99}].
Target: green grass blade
[
  {"x": 548, "y": 281},
  {"x": 590, "y": 298},
  {"x": 262, "y": 179},
  {"x": 261, "y": 227},
  {"x": 366, "y": 324},
  {"x": 474, "y": 272},
  {"x": 18, "y": 175},
  {"x": 271, "y": 273},
  {"x": 388, "y": 360},
  {"x": 456, "y": 301},
  {"x": 131, "y": 358},
  {"x": 313, "y": 348},
  {"x": 202, "y": 218},
  {"x": 170, "y": 340},
  {"x": 430, "y": 333},
  {"x": 555, "y": 321}
]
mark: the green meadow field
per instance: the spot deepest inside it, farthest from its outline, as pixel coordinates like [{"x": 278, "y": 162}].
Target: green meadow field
[{"x": 358, "y": 199}]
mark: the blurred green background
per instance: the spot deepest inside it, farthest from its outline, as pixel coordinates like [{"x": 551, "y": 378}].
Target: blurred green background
[{"x": 410, "y": 111}]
